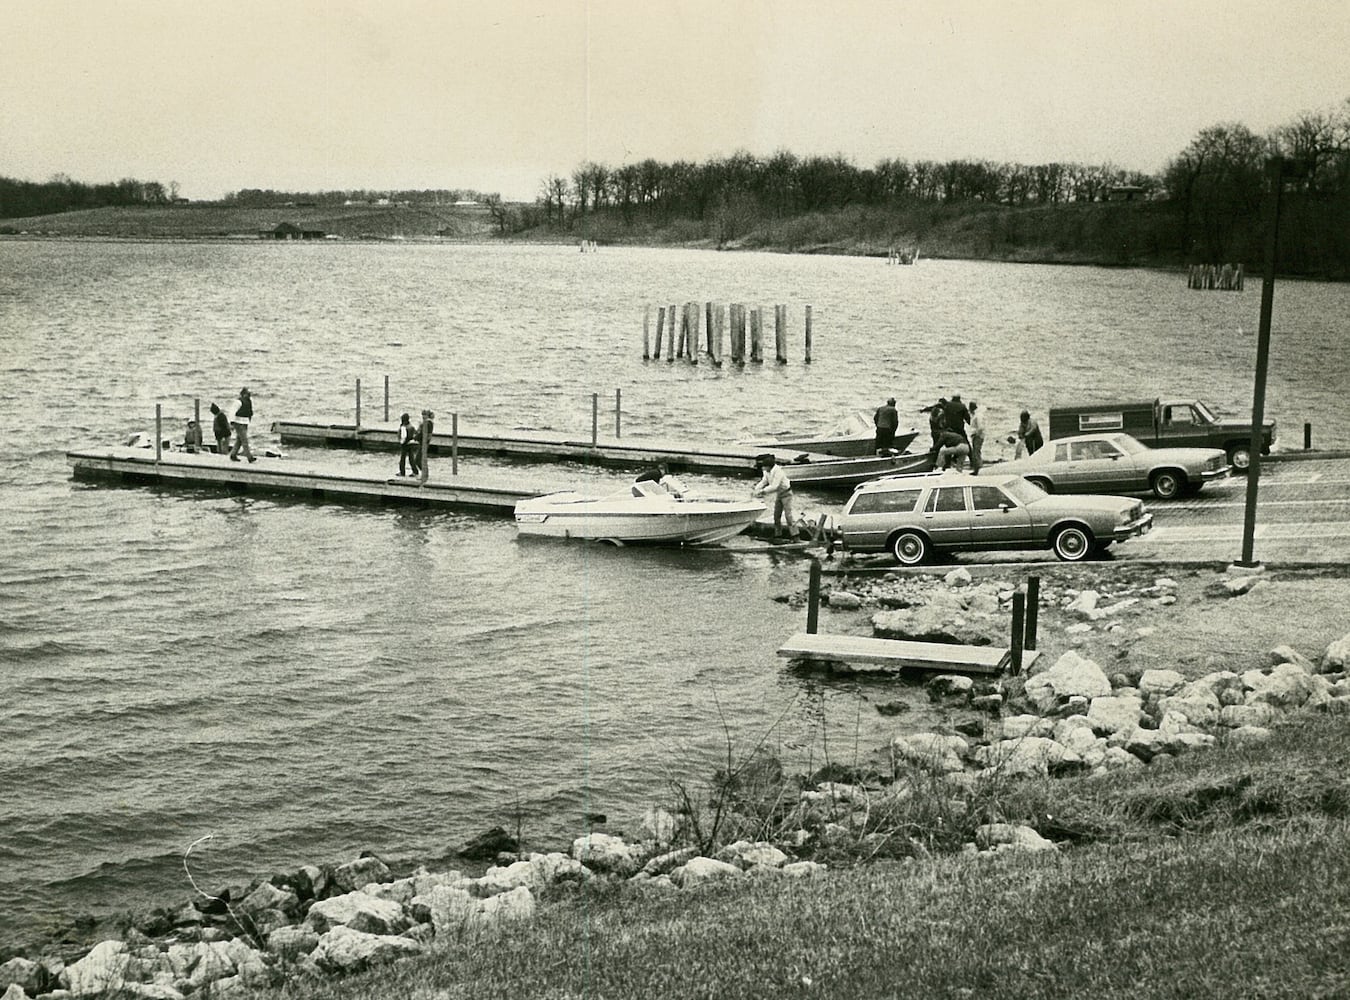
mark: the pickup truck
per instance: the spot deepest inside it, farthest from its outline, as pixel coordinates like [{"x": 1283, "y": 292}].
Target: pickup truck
[{"x": 1164, "y": 423}]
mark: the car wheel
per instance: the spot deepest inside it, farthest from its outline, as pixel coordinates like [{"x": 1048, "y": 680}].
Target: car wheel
[
  {"x": 1042, "y": 484},
  {"x": 1073, "y": 543},
  {"x": 1167, "y": 484},
  {"x": 1240, "y": 457},
  {"x": 910, "y": 548}
]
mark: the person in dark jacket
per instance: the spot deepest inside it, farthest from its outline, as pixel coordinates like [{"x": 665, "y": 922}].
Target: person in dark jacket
[
  {"x": 1029, "y": 434},
  {"x": 239, "y": 422},
  {"x": 937, "y": 421},
  {"x": 192, "y": 437},
  {"x": 424, "y": 438},
  {"x": 887, "y": 420},
  {"x": 957, "y": 416},
  {"x": 220, "y": 427},
  {"x": 407, "y": 446}
]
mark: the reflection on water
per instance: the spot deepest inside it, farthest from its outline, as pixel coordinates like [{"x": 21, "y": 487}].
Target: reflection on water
[{"x": 308, "y": 681}]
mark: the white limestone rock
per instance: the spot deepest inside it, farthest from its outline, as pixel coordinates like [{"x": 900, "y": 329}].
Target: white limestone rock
[
  {"x": 354, "y": 874},
  {"x": 1249, "y": 735},
  {"x": 1157, "y": 683},
  {"x": 508, "y": 907},
  {"x": 1337, "y": 655},
  {"x": 701, "y": 871},
  {"x": 745, "y": 854},
  {"x": 959, "y": 577},
  {"x": 1072, "y": 674},
  {"x": 1028, "y": 757},
  {"x": 1016, "y": 726},
  {"x": 344, "y": 949},
  {"x": 103, "y": 969},
  {"x": 1236, "y": 716},
  {"x": 1111, "y": 714},
  {"x": 842, "y": 600},
  {"x": 995, "y": 836},
  {"x": 359, "y": 911},
  {"x": 602, "y": 852},
  {"x": 292, "y": 942},
  {"x": 448, "y": 908},
  {"x": 931, "y": 752}
]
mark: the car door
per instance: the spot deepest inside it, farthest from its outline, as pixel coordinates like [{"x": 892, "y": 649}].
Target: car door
[
  {"x": 946, "y": 517},
  {"x": 1091, "y": 466},
  {"x": 997, "y": 520}
]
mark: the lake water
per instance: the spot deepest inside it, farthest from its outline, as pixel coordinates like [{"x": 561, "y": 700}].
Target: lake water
[{"x": 306, "y": 682}]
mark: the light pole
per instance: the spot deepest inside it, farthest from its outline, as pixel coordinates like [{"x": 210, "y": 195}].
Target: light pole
[{"x": 1278, "y": 169}]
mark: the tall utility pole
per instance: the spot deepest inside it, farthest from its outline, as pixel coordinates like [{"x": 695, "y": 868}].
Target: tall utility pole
[{"x": 1278, "y": 168}]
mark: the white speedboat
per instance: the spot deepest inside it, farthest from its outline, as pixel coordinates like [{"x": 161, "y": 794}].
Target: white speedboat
[{"x": 642, "y": 513}]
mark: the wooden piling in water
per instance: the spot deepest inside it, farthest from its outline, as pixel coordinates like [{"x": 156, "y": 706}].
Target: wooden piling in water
[
  {"x": 708, "y": 327},
  {"x": 454, "y": 444},
  {"x": 738, "y": 333},
  {"x": 717, "y": 341},
  {"x": 780, "y": 334},
  {"x": 694, "y": 318},
  {"x": 595, "y": 419},
  {"x": 807, "y": 358},
  {"x": 813, "y": 598},
  {"x": 756, "y": 335},
  {"x": 660, "y": 325},
  {"x": 670, "y": 332},
  {"x": 424, "y": 437},
  {"x": 618, "y": 410},
  {"x": 358, "y": 404},
  {"x": 159, "y": 431},
  {"x": 646, "y": 335}
]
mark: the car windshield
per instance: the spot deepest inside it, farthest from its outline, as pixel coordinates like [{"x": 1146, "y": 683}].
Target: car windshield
[
  {"x": 1205, "y": 411},
  {"x": 1022, "y": 491},
  {"x": 1129, "y": 445}
]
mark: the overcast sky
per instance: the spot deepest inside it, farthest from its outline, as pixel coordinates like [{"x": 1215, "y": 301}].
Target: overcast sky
[{"x": 497, "y": 94}]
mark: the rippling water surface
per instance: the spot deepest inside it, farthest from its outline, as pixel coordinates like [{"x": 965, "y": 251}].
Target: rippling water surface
[{"x": 306, "y": 682}]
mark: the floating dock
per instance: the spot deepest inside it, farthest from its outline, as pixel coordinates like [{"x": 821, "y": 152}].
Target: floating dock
[
  {"x": 543, "y": 446},
  {"x": 285, "y": 476},
  {"x": 901, "y": 654}
]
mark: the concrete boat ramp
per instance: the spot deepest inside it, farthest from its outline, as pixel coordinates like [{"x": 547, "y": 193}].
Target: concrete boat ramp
[
  {"x": 736, "y": 460},
  {"x": 308, "y": 480}
]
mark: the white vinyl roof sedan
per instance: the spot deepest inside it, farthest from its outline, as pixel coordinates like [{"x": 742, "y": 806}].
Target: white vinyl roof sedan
[{"x": 1115, "y": 462}]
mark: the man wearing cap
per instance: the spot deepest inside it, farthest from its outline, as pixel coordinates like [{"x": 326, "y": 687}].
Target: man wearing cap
[
  {"x": 775, "y": 481},
  {"x": 242, "y": 415},
  {"x": 424, "y": 444},
  {"x": 887, "y": 420}
]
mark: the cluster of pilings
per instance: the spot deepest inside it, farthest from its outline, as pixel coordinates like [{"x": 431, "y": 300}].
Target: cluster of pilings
[
  {"x": 1215, "y": 277},
  {"x": 894, "y": 256},
  {"x": 691, "y": 331}
]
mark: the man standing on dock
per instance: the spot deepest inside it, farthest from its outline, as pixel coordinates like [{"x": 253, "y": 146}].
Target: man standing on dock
[
  {"x": 242, "y": 415},
  {"x": 424, "y": 440},
  {"x": 775, "y": 481},
  {"x": 887, "y": 420},
  {"x": 407, "y": 446}
]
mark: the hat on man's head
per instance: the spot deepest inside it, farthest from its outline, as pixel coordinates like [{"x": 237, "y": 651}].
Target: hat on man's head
[
  {"x": 890, "y": 401},
  {"x": 244, "y": 391},
  {"x": 766, "y": 459}
]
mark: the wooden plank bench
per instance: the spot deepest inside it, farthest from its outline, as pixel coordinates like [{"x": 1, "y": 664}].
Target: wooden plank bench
[{"x": 900, "y": 654}]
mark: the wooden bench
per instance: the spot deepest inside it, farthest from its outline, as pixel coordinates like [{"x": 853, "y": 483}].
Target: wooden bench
[{"x": 900, "y": 654}]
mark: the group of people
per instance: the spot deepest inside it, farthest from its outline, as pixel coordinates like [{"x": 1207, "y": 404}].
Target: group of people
[
  {"x": 224, "y": 427},
  {"x": 958, "y": 432},
  {"x": 410, "y": 439}
]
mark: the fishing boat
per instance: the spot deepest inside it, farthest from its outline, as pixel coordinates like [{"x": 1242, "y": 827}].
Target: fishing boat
[
  {"x": 845, "y": 473},
  {"x": 642, "y": 513},
  {"x": 852, "y": 437}
]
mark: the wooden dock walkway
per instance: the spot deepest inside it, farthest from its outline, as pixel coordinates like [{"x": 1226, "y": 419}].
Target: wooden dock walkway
[
  {"x": 308, "y": 480},
  {"x": 899, "y": 654},
  {"x": 738, "y": 460}
]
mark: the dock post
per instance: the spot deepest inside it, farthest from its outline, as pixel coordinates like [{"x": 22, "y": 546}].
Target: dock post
[
  {"x": 595, "y": 419},
  {"x": 646, "y": 333},
  {"x": 708, "y": 316},
  {"x": 386, "y": 399},
  {"x": 159, "y": 431},
  {"x": 813, "y": 598},
  {"x": 780, "y": 334},
  {"x": 684, "y": 330},
  {"x": 808, "y": 335},
  {"x": 1033, "y": 608},
  {"x": 1307, "y": 436},
  {"x": 756, "y": 324},
  {"x": 670, "y": 343},
  {"x": 618, "y": 410},
  {"x": 197, "y": 415},
  {"x": 717, "y": 341},
  {"x": 454, "y": 443},
  {"x": 1018, "y": 612},
  {"x": 738, "y": 333},
  {"x": 358, "y": 404},
  {"x": 660, "y": 324}
]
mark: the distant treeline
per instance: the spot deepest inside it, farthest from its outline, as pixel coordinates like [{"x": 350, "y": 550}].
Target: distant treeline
[
  {"x": 1206, "y": 201},
  {"x": 21, "y": 199},
  {"x": 259, "y": 198}
]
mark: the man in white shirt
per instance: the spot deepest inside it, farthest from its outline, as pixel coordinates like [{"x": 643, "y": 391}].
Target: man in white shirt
[
  {"x": 976, "y": 438},
  {"x": 774, "y": 481}
]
